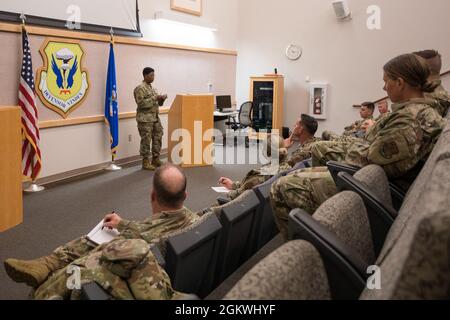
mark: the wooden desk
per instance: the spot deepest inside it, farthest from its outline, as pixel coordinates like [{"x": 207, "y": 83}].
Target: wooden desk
[{"x": 11, "y": 206}]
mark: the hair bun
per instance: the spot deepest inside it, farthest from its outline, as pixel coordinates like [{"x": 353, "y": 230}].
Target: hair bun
[{"x": 430, "y": 86}]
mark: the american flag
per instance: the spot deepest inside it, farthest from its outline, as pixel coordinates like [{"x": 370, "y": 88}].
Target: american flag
[{"x": 31, "y": 154}]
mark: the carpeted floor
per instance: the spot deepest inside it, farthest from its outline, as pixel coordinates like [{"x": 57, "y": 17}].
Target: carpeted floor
[{"x": 66, "y": 211}]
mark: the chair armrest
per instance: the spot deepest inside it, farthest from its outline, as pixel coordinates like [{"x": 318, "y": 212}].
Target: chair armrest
[
  {"x": 223, "y": 200},
  {"x": 398, "y": 196},
  {"x": 335, "y": 167},
  {"x": 93, "y": 291},
  {"x": 158, "y": 255}
]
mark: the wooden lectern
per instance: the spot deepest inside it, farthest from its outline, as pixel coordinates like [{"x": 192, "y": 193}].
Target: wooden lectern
[
  {"x": 191, "y": 125},
  {"x": 11, "y": 207}
]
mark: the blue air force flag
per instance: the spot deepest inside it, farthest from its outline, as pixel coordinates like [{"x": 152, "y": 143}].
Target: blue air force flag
[{"x": 111, "y": 105}]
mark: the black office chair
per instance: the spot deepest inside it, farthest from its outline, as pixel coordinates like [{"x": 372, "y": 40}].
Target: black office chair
[{"x": 245, "y": 120}]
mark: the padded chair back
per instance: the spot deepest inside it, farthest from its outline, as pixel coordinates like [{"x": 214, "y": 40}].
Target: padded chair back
[
  {"x": 191, "y": 256},
  {"x": 267, "y": 228},
  {"x": 415, "y": 263},
  {"x": 294, "y": 271},
  {"x": 245, "y": 113},
  {"x": 340, "y": 231},
  {"x": 372, "y": 185},
  {"x": 397, "y": 193},
  {"x": 239, "y": 220}
]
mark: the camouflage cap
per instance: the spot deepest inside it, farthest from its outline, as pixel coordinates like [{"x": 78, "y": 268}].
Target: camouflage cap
[{"x": 122, "y": 256}]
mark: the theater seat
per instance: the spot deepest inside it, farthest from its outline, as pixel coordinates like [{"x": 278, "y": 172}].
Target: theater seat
[
  {"x": 372, "y": 185},
  {"x": 340, "y": 231},
  {"x": 190, "y": 256},
  {"x": 239, "y": 219},
  {"x": 267, "y": 228},
  {"x": 397, "y": 194},
  {"x": 414, "y": 263},
  {"x": 294, "y": 271},
  {"x": 93, "y": 291}
]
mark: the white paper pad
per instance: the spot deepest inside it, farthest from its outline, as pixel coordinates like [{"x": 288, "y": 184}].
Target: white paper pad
[
  {"x": 221, "y": 189},
  {"x": 99, "y": 236}
]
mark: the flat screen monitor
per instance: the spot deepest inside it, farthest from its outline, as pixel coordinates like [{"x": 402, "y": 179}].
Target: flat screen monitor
[{"x": 223, "y": 102}]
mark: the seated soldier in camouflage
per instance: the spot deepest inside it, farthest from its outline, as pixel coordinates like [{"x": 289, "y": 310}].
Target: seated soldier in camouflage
[
  {"x": 258, "y": 176},
  {"x": 125, "y": 269},
  {"x": 383, "y": 109},
  {"x": 434, "y": 61},
  {"x": 397, "y": 143},
  {"x": 356, "y": 129},
  {"x": 169, "y": 215},
  {"x": 304, "y": 131}
]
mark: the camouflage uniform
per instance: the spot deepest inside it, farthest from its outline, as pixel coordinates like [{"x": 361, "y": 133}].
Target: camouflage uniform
[
  {"x": 381, "y": 116},
  {"x": 442, "y": 98},
  {"x": 303, "y": 152},
  {"x": 147, "y": 117},
  {"x": 256, "y": 177},
  {"x": 356, "y": 128},
  {"x": 304, "y": 188},
  {"x": 324, "y": 151},
  {"x": 328, "y": 135},
  {"x": 352, "y": 131},
  {"x": 149, "y": 230},
  {"x": 397, "y": 143},
  {"x": 126, "y": 269}
]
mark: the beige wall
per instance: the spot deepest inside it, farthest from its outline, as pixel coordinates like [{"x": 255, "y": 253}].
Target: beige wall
[
  {"x": 345, "y": 54},
  {"x": 73, "y": 147},
  {"x": 177, "y": 71},
  {"x": 222, "y": 14}
]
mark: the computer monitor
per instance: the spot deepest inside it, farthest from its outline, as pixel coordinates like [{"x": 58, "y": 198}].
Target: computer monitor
[{"x": 223, "y": 102}]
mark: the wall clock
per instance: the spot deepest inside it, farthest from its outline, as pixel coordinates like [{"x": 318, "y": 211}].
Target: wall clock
[{"x": 293, "y": 52}]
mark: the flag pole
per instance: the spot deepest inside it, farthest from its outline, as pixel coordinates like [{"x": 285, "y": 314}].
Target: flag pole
[
  {"x": 23, "y": 18},
  {"x": 33, "y": 187},
  {"x": 112, "y": 166}
]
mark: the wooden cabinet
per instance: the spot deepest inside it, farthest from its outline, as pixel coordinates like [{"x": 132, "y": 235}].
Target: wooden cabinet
[
  {"x": 267, "y": 94},
  {"x": 11, "y": 207}
]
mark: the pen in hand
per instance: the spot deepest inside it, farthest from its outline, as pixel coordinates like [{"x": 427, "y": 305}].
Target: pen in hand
[{"x": 107, "y": 220}]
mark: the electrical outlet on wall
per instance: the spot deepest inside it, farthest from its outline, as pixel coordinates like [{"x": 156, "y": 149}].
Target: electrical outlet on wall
[{"x": 130, "y": 137}]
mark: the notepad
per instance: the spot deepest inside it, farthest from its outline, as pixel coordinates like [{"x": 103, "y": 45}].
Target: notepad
[
  {"x": 221, "y": 189},
  {"x": 100, "y": 235}
]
